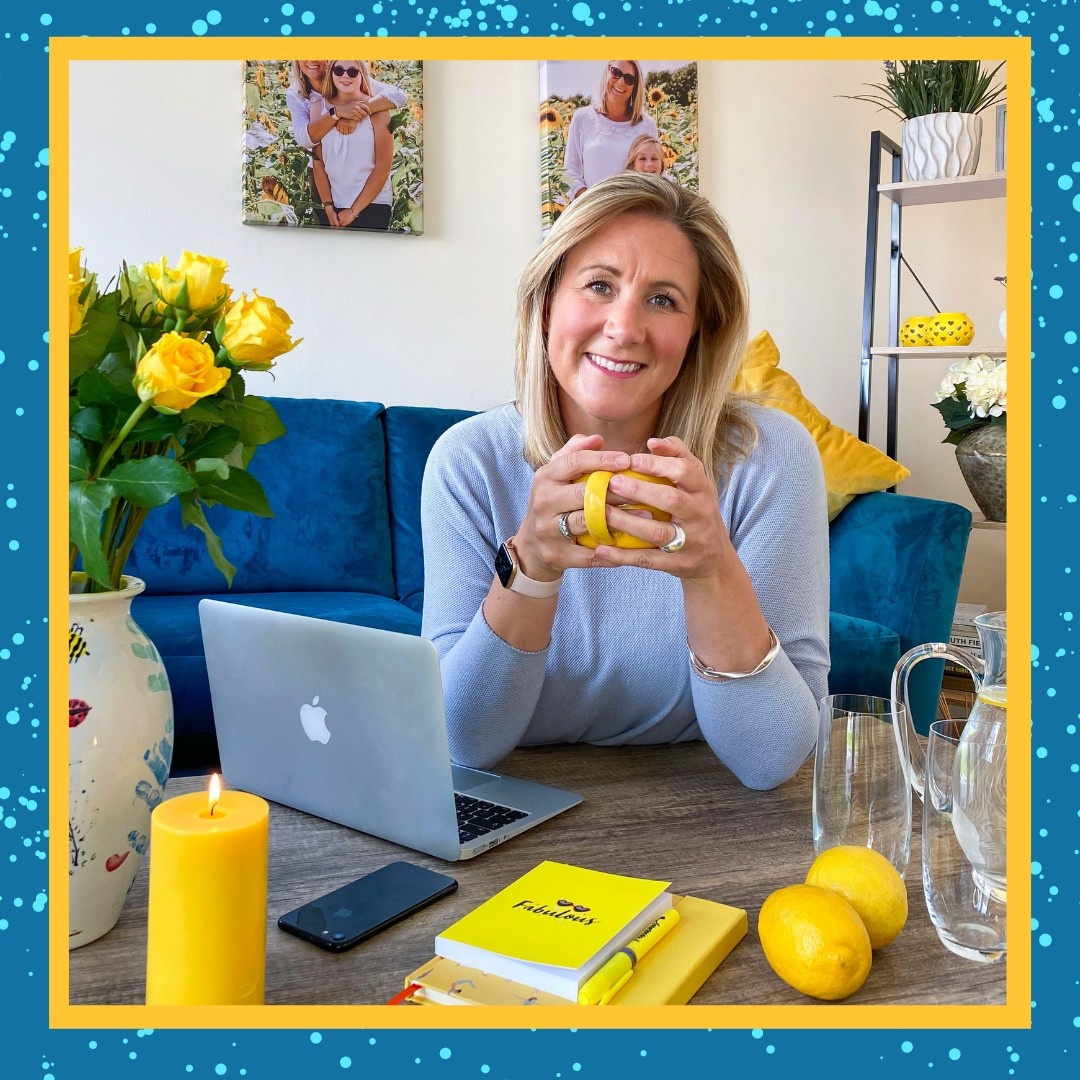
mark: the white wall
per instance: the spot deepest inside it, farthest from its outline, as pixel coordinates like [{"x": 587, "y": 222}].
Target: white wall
[{"x": 155, "y": 167}]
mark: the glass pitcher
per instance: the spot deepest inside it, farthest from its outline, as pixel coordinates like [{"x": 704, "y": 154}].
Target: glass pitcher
[{"x": 978, "y": 810}]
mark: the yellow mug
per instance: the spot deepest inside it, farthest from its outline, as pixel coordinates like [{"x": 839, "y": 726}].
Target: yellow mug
[{"x": 596, "y": 488}]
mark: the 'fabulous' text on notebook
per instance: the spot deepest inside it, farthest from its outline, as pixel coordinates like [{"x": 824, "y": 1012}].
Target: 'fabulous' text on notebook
[{"x": 552, "y": 928}]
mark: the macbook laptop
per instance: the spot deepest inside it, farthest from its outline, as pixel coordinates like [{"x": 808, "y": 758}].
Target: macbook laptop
[{"x": 347, "y": 723}]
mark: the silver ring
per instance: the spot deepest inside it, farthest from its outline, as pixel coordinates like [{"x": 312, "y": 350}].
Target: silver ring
[
  {"x": 564, "y": 527},
  {"x": 677, "y": 542}
]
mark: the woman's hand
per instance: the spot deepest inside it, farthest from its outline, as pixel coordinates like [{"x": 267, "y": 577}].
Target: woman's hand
[
  {"x": 346, "y": 217},
  {"x": 542, "y": 549},
  {"x": 332, "y": 217},
  {"x": 352, "y": 112}
]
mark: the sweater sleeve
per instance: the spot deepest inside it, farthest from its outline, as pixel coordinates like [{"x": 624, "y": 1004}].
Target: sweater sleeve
[
  {"x": 764, "y": 727},
  {"x": 490, "y": 688},
  {"x": 394, "y": 94},
  {"x": 300, "y": 111}
]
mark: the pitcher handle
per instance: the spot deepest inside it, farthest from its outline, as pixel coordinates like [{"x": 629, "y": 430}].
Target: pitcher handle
[{"x": 912, "y": 753}]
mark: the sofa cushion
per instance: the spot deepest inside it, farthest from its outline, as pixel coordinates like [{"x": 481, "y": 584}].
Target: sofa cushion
[
  {"x": 325, "y": 479},
  {"x": 410, "y": 434},
  {"x": 863, "y": 655},
  {"x": 172, "y": 624},
  {"x": 852, "y": 467}
]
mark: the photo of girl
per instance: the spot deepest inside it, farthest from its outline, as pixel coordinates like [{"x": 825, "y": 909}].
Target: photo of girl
[
  {"x": 592, "y": 113},
  {"x": 302, "y": 124},
  {"x": 646, "y": 155}
]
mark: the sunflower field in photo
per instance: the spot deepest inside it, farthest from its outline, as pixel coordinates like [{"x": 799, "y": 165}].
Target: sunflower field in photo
[
  {"x": 276, "y": 190},
  {"x": 671, "y": 99}
]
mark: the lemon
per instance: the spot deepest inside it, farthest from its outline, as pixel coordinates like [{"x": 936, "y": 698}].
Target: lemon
[
  {"x": 869, "y": 883},
  {"x": 815, "y": 941}
]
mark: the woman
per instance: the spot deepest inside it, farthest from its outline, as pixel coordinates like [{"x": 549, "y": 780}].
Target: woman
[
  {"x": 305, "y": 86},
  {"x": 600, "y": 135},
  {"x": 646, "y": 155},
  {"x": 631, "y": 327},
  {"x": 358, "y": 164}
]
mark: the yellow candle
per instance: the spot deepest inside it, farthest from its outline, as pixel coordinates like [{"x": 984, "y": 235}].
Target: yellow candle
[{"x": 206, "y": 938}]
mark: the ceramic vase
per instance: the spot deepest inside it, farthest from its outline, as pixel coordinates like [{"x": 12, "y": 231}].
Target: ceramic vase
[
  {"x": 120, "y": 740},
  {"x": 940, "y": 145},
  {"x": 981, "y": 457}
]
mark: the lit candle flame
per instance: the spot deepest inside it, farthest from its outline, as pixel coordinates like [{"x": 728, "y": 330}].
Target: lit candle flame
[{"x": 215, "y": 792}]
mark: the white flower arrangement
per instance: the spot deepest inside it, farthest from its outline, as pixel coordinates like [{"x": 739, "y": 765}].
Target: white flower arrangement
[{"x": 972, "y": 395}]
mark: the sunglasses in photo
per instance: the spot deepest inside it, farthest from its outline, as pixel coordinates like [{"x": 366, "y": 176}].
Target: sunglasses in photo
[
  {"x": 626, "y": 77},
  {"x": 351, "y": 71}
]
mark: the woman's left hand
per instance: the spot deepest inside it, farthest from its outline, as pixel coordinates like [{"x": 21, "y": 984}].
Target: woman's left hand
[
  {"x": 692, "y": 503},
  {"x": 346, "y": 217}
]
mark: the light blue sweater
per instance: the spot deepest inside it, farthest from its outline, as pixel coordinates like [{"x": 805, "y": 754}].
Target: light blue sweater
[{"x": 616, "y": 670}]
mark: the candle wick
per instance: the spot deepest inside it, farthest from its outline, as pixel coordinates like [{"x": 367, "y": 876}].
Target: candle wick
[{"x": 213, "y": 807}]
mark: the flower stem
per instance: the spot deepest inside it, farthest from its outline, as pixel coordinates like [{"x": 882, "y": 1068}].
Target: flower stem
[{"x": 111, "y": 447}]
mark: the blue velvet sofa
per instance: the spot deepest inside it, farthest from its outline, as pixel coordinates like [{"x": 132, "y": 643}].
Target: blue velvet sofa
[{"x": 345, "y": 544}]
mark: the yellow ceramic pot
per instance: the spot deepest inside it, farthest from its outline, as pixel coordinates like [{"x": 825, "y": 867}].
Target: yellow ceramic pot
[
  {"x": 915, "y": 331},
  {"x": 951, "y": 328}
]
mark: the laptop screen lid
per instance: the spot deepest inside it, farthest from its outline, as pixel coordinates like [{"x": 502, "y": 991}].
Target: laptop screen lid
[{"x": 344, "y": 722}]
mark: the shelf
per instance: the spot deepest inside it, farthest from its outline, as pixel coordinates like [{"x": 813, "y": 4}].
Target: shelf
[
  {"x": 980, "y": 522},
  {"x": 949, "y": 190},
  {"x": 941, "y": 352}
]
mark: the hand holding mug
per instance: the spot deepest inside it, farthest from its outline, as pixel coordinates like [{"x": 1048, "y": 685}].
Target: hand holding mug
[{"x": 596, "y": 494}]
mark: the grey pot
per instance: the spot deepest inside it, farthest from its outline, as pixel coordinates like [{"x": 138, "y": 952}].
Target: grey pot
[{"x": 981, "y": 457}]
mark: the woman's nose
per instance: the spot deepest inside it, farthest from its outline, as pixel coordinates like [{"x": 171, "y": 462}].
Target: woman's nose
[{"x": 625, "y": 322}]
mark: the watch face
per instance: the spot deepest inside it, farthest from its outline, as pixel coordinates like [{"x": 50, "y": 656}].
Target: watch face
[{"x": 504, "y": 566}]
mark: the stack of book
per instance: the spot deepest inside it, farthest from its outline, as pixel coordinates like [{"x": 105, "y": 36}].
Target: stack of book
[
  {"x": 564, "y": 935},
  {"x": 957, "y": 687}
]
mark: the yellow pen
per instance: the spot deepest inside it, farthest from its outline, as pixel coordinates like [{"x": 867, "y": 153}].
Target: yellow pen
[{"x": 600, "y": 988}]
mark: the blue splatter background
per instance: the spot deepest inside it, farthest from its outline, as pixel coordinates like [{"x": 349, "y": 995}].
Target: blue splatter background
[{"x": 30, "y": 1049}]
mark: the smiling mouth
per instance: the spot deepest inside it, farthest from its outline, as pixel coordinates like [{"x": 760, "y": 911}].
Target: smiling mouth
[{"x": 612, "y": 365}]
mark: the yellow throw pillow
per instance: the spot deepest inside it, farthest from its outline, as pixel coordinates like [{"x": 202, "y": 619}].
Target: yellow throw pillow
[{"x": 852, "y": 467}]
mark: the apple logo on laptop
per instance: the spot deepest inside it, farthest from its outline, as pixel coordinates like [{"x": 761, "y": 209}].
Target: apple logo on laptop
[{"x": 313, "y": 719}]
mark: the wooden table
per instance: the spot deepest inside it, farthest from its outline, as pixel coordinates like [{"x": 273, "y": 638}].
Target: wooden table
[{"x": 669, "y": 812}]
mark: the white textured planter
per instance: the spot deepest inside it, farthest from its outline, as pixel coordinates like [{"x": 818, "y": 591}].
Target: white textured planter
[
  {"x": 941, "y": 144},
  {"x": 120, "y": 739}
]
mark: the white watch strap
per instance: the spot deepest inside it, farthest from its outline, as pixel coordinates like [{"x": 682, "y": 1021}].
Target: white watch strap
[{"x": 528, "y": 586}]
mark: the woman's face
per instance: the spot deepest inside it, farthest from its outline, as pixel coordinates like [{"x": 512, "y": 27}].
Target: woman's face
[
  {"x": 648, "y": 159},
  {"x": 620, "y": 93},
  {"x": 344, "y": 82},
  {"x": 621, "y": 319},
  {"x": 314, "y": 70}
]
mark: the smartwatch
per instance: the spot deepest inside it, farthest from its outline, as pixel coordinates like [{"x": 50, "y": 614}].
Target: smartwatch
[
  {"x": 332, "y": 111},
  {"x": 512, "y": 578}
]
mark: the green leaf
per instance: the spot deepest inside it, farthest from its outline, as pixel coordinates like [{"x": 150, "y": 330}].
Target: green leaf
[
  {"x": 87, "y": 502},
  {"x": 256, "y": 421},
  {"x": 210, "y": 470},
  {"x": 79, "y": 462},
  {"x": 191, "y": 513},
  {"x": 91, "y": 424},
  {"x": 240, "y": 491},
  {"x": 91, "y": 343},
  {"x": 209, "y": 410},
  {"x": 215, "y": 443},
  {"x": 151, "y": 481},
  {"x": 154, "y": 427},
  {"x": 98, "y": 387}
]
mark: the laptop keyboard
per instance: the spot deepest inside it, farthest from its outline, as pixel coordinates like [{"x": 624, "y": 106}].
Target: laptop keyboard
[{"x": 476, "y": 817}]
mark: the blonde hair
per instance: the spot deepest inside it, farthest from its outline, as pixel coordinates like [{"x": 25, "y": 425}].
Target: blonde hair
[
  {"x": 637, "y": 95},
  {"x": 638, "y": 145},
  {"x": 700, "y": 407},
  {"x": 300, "y": 82},
  {"x": 329, "y": 90}
]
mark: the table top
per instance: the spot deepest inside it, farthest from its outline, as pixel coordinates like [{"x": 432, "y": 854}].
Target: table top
[{"x": 667, "y": 812}]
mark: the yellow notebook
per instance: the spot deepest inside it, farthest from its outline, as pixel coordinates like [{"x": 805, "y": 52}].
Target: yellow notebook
[
  {"x": 554, "y": 926},
  {"x": 669, "y": 974}
]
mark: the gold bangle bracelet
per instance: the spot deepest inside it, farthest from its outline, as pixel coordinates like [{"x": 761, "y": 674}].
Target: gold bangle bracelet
[{"x": 712, "y": 675}]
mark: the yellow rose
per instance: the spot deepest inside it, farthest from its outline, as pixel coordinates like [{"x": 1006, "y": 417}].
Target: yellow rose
[
  {"x": 253, "y": 332},
  {"x": 136, "y": 286},
  {"x": 77, "y": 282},
  {"x": 177, "y": 372},
  {"x": 75, "y": 262},
  {"x": 195, "y": 285}
]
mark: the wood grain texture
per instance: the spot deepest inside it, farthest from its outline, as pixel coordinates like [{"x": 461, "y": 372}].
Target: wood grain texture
[{"x": 670, "y": 812}]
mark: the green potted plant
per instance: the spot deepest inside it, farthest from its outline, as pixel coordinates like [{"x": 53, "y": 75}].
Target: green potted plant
[{"x": 939, "y": 102}]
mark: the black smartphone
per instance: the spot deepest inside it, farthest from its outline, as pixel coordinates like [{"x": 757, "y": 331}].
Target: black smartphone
[{"x": 356, "y": 911}]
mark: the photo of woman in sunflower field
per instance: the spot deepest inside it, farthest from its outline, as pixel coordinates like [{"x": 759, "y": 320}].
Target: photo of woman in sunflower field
[
  {"x": 592, "y": 112},
  {"x": 285, "y": 122}
]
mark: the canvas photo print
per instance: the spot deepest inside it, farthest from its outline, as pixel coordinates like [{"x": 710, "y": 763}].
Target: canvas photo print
[
  {"x": 598, "y": 117},
  {"x": 334, "y": 144}
]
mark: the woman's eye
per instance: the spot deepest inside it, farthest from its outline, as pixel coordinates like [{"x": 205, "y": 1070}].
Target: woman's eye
[
  {"x": 601, "y": 288},
  {"x": 663, "y": 300}
]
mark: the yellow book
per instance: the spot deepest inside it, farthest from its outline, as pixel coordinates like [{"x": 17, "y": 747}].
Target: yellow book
[
  {"x": 554, "y": 926},
  {"x": 669, "y": 974}
]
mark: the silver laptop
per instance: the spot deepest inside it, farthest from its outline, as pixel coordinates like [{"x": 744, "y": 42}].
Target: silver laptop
[{"x": 347, "y": 723}]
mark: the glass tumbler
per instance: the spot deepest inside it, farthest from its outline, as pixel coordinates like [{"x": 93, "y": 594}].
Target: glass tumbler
[
  {"x": 966, "y": 912},
  {"x": 861, "y": 793}
]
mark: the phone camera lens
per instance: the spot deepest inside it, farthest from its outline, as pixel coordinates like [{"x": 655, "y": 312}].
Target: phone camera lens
[{"x": 338, "y": 936}]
